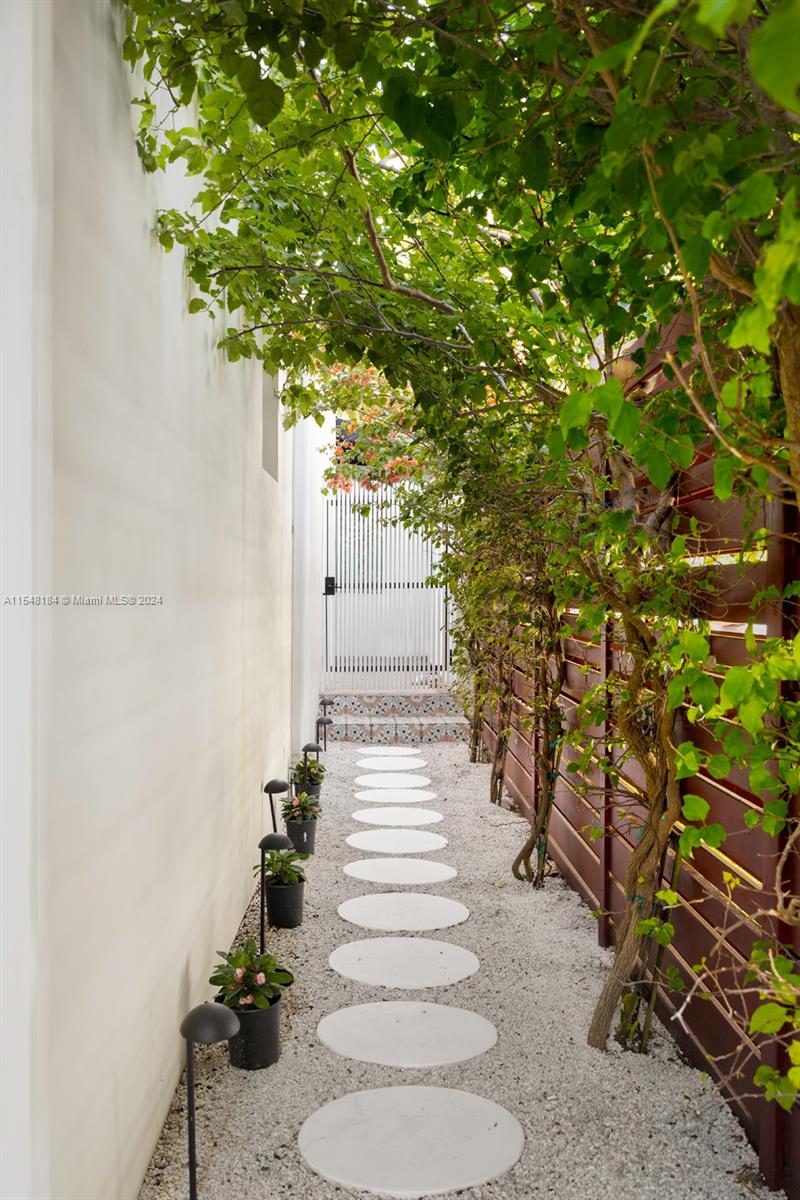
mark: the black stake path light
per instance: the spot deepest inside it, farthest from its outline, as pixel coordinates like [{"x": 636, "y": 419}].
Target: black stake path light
[
  {"x": 325, "y": 702},
  {"x": 310, "y": 748},
  {"x": 273, "y": 841},
  {"x": 273, "y": 788},
  {"x": 324, "y": 722},
  {"x": 207, "y": 1024}
]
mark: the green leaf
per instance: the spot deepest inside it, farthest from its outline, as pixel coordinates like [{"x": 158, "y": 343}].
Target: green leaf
[
  {"x": 695, "y": 808},
  {"x": 197, "y": 305},
  {"x": 756, "y": 196},
  {"x": 752, "y": 328},
  {"x": 608, "y": 398},
  {"x": 704, "y": 692},
  {"x": 349, "y": 48},
  {"x": 736, "y": 687},
  {"x": 660, "y": 10},
  {"x": 769, "y": 1018},
  {"x": 774, "y": 59},
  {"x": 737, "y": 743},
  {"x": 535, "y": 163},
  {"x": 695, "y": 645},
  {"x": 333, "y": 11},
  {"x": 724, "y": 467},
  {"x": 265, "y": 101},
  {"x": 719, "y": 14},
  {"x": 719, "y": 765},
  {"x": 675, "y": 691},
  {"x": 713, "y": 835},
  {"x": 689, "y": 840},
  {"x": 575, "y": 412},
  {"x": 626, "y": 424},
  {"x": 696, "y": 253},
  {"x": 688, "y": 760}
]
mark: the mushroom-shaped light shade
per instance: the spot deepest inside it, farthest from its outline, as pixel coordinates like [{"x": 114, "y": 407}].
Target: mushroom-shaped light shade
[
  {"x": 276, "y": 785},
  {"x": 325, "y": 701},
  {"x": 324, "y": 720},
  {"x": 276, "y": 841},
  {"x": 209, "y": 1023},
  {"x": 312, "y": 748}
]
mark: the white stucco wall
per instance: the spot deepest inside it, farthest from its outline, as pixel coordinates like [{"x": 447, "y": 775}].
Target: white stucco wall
[
  {"x": 145, "y": 732},
  {"x": 25, "y": 548},
  {"x": 310, "y": 441}
]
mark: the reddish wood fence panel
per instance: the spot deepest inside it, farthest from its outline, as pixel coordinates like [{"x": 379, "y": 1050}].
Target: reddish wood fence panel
[{"x": 595, "y": 865}]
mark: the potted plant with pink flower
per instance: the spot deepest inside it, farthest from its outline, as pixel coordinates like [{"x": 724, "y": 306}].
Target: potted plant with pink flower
[
  {"x": 300, "y": 814},
  {"x": 252, "y": 984},
  {"x": 284, "y": 884},
  {"x": 307, "y": 776}
]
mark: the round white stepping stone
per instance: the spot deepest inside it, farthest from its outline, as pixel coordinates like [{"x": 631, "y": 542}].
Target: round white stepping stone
[
  {"x": 392, "y": 764},
  {"x": 389, "y": 751},
  {"x": 403, "y": 912},
  {"x": 392, "y": 779},
  {"x": 397, "y": 816},
  {"x": 397, "y": 841},
  {"x": 395, "y": 795},
  {"x": 410, "y": 1142},
  {"x": 400, "y": 870},
  {"x": 403, "y": 962},
  {"x": 407, "y": 1033}
]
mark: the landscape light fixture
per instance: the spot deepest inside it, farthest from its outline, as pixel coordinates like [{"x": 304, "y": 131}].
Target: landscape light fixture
[
  {"x": 323, "y": 723},
  {"x": 274, "y": 788},
  {"x": 272, "y": 841},
  {"x": 207, "y": 1023},
  {"x": 312, "y": 748}
]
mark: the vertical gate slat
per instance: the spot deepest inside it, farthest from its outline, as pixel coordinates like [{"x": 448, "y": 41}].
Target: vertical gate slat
[{"x": 384, "y": 625}]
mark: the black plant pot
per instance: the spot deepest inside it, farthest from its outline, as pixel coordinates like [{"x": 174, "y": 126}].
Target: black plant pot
[
  {"x": 258, "y": 1043},
  {"x": 310, "y": 789},
  {"x": 302, "y": 834},
  {"x": 285, "y": 904}
]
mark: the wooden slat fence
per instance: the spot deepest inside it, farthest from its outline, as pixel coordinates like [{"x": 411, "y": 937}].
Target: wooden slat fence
[{"x": 595, "y": 866}]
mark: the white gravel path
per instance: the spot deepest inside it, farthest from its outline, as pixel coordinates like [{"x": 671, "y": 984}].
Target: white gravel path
[{"x": 612, "y": 1126}]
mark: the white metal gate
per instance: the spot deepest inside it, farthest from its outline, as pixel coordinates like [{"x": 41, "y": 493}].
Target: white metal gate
[{"x": 386, "y": 629}]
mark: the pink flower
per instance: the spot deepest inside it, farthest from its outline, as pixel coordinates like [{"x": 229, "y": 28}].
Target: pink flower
[
  {"x": 261, "y": 978},
  {"x": 296, "y": 802},
  {"x": 238, "y": 974},
  {"x": 249, "y": 1000},
  {"x": 242, "y": 1000}
]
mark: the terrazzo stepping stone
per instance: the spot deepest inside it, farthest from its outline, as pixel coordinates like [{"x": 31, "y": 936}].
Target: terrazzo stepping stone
[
  {"x": 392, "y": 764},
  {"x": 392, "y": 779},
  {"x": 410, "y": 1142},
  {"x": 389, "y": 751},
  {"x": 400, "y": 870},
  {"x": 403, "y": 962},
  {"x": 403, "y": 912},
  {"x": 397, "y": 841},
  {"x": 395, "y": 795},
  {"x": 397, "y": 816},
  {"x": 407, "y": 1033}
]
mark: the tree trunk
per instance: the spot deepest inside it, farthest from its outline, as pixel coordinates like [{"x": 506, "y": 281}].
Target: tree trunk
[
  {"x": 643, "y": 876},
  {"x": 504, "y": 710},
  {"x": 476, "y": 725}
]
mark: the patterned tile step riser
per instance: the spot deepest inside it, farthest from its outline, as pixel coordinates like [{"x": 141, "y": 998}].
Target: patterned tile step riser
[
  {"x": 408, "y": 732},
  {"x": 368, "y": 704}
]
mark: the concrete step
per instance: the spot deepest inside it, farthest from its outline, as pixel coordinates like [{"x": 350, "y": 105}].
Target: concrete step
[{"x": 411, "y": 719}]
